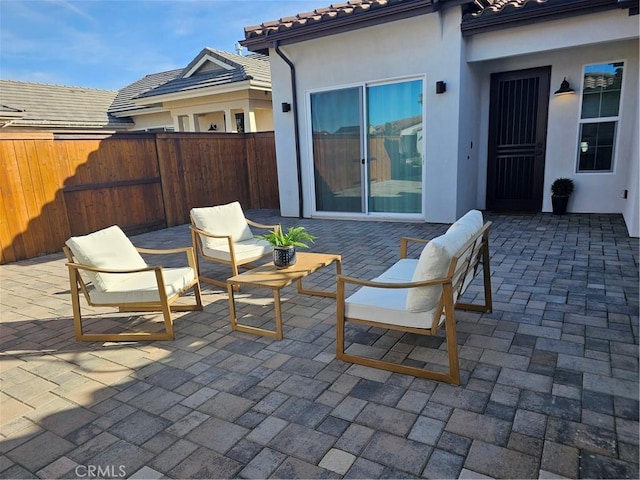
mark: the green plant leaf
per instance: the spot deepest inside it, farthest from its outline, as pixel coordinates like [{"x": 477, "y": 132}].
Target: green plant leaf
[{"x": 294, "y": 236}]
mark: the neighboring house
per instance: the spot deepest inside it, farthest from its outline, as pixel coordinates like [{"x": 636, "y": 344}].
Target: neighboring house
[
  {"x": 40, "y": 106},
  {"x": 484, "y": 80},
  {"x": 217, "y": 91}
]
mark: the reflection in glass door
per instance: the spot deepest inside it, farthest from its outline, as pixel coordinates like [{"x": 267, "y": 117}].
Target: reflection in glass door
[
  {"x": 377, "y": 169},
  {"x": 337, "y": 150},
  {"x": 394, "y": 125}
]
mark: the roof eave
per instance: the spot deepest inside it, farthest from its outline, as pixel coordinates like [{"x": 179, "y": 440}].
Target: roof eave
[
  {"x": 58, "y": 124},
  {"x": 204, "y": 91},
  {"x": 12, "y": 115},
  {"x": 262, "y": 43},
  {"x": 127, "y": 112},
  {"x": 544, "y": 13}
]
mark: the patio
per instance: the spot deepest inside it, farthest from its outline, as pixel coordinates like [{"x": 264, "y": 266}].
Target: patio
[{"x": 549, "y": 383}]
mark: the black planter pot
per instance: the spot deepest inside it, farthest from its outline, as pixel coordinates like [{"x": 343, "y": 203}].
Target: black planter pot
[
  {"x": 559, "y": 204},
  {"x": 284, "y": 257}
]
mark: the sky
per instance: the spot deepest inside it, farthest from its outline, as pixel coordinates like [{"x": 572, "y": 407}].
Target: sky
[{"x": 109, "y": 44}]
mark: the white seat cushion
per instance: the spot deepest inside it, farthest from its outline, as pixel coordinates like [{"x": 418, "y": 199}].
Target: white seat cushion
[
  {"x": 245, "y": 250},
  {"x": 107, "y": 248},
  {"x": 221, "y": 220},
  {"x": 143, "y": 287},
  {"x": 386, "y": 306}
]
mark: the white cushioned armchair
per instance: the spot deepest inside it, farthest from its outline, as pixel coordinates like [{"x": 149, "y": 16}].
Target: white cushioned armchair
[
  {"x": 420, "y": 295},
  {"x": 109, "y": 270},
  {"x": 222, "y": 234}
]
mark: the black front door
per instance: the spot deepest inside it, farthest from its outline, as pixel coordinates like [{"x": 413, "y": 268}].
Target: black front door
[{"x": 517, "y": 139}]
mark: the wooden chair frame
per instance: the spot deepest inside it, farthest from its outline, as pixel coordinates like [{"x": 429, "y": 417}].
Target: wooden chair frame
[
  {"x": 233, "y": 262},
  {"x": 164, "y": 305},
  {"x": 467, "y": 261}
]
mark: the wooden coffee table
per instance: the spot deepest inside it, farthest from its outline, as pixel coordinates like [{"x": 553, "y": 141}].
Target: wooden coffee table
[{"x": 268, "y": 276}]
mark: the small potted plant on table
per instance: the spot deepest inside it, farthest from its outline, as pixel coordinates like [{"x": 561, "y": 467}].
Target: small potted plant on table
[
  {"x": 561, "y": 190},
  {"x": 284, "y": 244}
]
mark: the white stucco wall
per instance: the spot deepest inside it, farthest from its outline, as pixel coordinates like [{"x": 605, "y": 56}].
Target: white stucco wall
[
  {"x": 468, "y": 138},
  {"x": 595, "y": 192},
  {"x": 577, "y": 31},
  {"x": 456, "y": 127},
  {"x": 427, "y": 45},
  {"x": 631, "y": 210},
  {"x": 153, "y": 120}
]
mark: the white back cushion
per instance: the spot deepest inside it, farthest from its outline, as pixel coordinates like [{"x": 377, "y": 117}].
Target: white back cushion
[
  {"x": 107, "y": 248},
  {"x": 472, "y": 219},
  {"x": 221, "y": 220},
  {"x": 435, "y": 260}
]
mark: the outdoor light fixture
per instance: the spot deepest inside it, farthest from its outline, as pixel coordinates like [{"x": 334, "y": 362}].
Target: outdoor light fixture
[
  {"x": 565, "y": 88},
  {"x": 213, "y": 127},
  {"x": 441, "y": 87},
  {"x": 286, "y": 107}
]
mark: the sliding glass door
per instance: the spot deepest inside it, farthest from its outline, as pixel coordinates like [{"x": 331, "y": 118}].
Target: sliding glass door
[
  {"x": 373, "y": 165},
  {"x": 336, "y": 117}
]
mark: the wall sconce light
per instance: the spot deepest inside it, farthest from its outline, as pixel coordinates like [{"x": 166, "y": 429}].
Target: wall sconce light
[
  {"x": 213, "y": 127},
  {"x": 441, "y": 87},
  {"x": 565, "y": 88},
  {"x": 584, "y": 146},
  {"x": 286, "y": 107}
]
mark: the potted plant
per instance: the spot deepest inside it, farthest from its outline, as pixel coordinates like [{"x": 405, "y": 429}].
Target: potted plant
[
  {"x": 561, "y": 190},
  {"x": 284, "y": 244}
]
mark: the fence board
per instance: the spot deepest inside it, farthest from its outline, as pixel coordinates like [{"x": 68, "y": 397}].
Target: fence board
[
  {"x": 13, "y": 211},
  {"x": 202, "y": 169},
  {"x": 53, "y": 186},
  {"x": 261, "y": 171}
]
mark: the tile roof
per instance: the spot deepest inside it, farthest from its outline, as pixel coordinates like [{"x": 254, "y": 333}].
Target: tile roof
[
  {"x": 249, "y": 67},
  {"x": 495, "y": 14},
  {"x": 351, "y": 12},
  {"x": 123, "y": 101},
  {"x": 59, "y": 106},
  {"x": 337, "y": 10}
]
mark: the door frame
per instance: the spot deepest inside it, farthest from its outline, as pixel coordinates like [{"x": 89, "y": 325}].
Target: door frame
[
  {"x": 544, "y": 74},
  {"x": 365, "y": 214}
]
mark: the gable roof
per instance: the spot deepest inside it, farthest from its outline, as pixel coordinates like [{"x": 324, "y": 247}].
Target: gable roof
[
  {"x": 213, "y": 68},
  {"x": 57, "y": 106},
  {"x": 479, "y": 15}
]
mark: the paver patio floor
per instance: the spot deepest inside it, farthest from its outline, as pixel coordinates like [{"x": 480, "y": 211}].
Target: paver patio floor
[{"x": 549, "y": 378}]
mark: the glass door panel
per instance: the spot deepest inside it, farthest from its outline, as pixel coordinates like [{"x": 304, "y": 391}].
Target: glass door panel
[
  {"x": 336, "y": 121},
  {"x": 394, "y": 126}
]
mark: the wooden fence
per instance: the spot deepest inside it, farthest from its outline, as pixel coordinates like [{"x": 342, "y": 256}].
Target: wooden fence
[{"x": 53, "y": 186}]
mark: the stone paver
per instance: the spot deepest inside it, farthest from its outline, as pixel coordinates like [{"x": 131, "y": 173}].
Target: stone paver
[{"x": 549, "y": 383}]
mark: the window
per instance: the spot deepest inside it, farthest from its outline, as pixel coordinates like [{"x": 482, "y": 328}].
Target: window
[{"x": 601, "y": 91}]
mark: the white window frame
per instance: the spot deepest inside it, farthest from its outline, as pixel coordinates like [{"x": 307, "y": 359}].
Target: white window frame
[{"x": 615, "y": 119}]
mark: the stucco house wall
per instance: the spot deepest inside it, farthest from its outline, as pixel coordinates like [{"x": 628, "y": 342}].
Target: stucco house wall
[
  {"x": 151, "y": 121},
  {"x": 562, "y": 127},
  {"x": 568, "y": 60},
  {"x": 432, "y": 47},
  {"x": 427, "y": 47}
]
